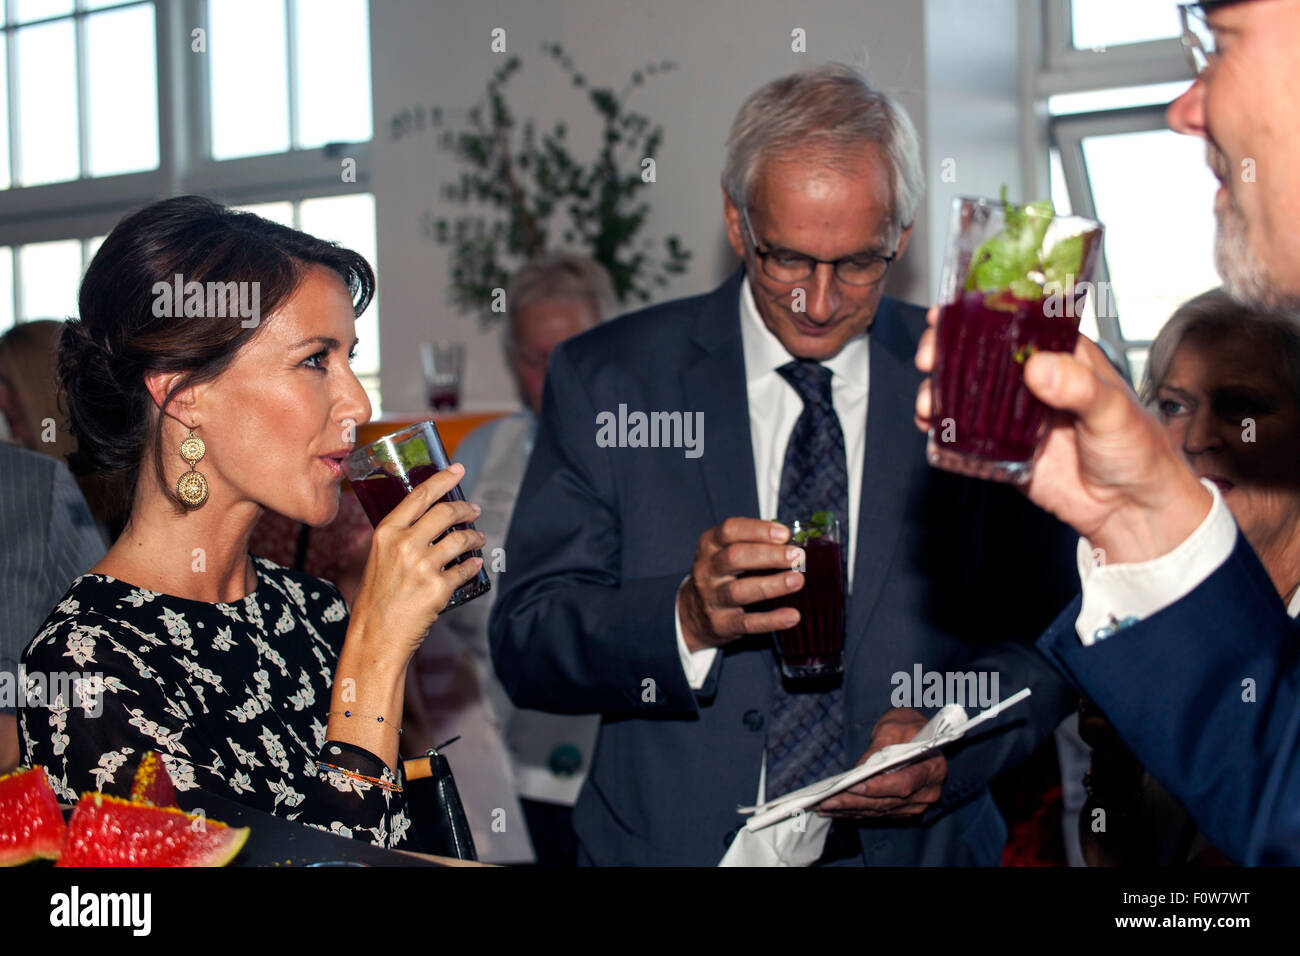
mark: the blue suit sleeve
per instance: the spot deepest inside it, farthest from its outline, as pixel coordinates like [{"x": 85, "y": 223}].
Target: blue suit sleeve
[
  {"x": 1005, "y": 605},
  {"x": 569, "y": 632},
  {"x": 1206, "y": 693}
]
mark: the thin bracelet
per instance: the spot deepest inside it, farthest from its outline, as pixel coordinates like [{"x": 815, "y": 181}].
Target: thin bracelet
[
  {"x": 348, "y": 713},
  {"x": 360, "y": 776}
]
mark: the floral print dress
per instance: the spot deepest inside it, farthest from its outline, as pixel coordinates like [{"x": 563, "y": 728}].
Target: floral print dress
[{"x": 233, "y": 696}]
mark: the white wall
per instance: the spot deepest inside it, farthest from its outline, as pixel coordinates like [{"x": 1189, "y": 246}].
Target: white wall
[
  {"x": 973, "y": 116},
  {"x": 439, "y": 54}
]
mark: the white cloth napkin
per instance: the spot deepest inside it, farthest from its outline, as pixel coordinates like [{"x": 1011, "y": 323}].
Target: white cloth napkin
[{"x": 782, "y": 832}]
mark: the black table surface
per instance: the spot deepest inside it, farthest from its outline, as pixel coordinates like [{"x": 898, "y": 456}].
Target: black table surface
[{"x": 275, "y": 841}]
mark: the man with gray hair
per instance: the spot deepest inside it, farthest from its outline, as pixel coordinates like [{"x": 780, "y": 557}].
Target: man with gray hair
[{"x": 799, "y": 368}]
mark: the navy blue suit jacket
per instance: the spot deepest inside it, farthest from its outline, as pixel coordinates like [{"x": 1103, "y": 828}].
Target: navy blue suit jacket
[
  {"x": 948, "y": 569},
  {"x": 1174, "y": 687}
]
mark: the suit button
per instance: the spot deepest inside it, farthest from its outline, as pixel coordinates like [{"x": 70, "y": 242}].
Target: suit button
[{"x": 753, "y": 720}]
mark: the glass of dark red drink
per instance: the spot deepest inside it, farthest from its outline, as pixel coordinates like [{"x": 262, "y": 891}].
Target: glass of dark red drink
[
  {"x": 388, "y": 469},
  {"x": 1015, "y": 279},
  {"x": 815, "y": 646},
  {"x": 443, "y": 364}
]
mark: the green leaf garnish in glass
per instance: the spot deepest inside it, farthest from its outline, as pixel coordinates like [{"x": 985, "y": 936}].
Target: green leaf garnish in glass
[
  {"x": 1006, "y": 260},
  {"x": 815, "y": 527},
  {"x": 1063, "y": 263}
]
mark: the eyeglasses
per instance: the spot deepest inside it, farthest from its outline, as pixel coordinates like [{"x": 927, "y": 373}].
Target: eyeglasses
[
  {"x": 1198, "y": 37},
  {"x": 784, "y": 266}
]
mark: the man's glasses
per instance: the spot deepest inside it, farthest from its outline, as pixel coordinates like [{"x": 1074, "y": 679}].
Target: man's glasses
[
  {"x": 1198, "y": 38},
  {"x": 788, "y": 267}
]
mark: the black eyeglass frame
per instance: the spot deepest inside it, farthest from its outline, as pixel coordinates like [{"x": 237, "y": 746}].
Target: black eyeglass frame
[{"x": 763, "y": 255}]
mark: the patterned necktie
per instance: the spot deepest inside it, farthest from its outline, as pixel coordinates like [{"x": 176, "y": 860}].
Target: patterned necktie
[{"x": 805, "y": 736}]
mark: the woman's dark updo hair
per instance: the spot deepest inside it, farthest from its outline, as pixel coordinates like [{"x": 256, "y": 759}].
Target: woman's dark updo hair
[{"x": 105, "y": 355}]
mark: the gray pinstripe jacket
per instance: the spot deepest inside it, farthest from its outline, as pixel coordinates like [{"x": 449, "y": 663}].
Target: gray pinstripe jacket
[{"x": 47, "y": 538}]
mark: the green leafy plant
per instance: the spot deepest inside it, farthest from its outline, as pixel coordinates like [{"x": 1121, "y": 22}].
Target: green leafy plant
[{"x": 529, "y": 192}]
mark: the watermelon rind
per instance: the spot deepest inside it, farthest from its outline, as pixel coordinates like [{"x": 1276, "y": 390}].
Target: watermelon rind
[
  {"x": 31, "y": 824},
  {"x": 108, "y": 831}
]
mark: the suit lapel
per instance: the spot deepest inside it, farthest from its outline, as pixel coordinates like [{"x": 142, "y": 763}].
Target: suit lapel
[
  {"x": 888, "y": 471},
  {"x": 715, "y": 385}
]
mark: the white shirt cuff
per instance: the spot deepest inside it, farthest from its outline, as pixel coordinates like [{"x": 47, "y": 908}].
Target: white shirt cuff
[
  {"x": 1115, "y": 592},
  {"x": 696, "y": 665}
]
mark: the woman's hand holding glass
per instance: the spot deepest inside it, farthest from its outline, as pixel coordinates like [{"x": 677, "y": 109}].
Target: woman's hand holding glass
[{"x": 407, "y": 582}]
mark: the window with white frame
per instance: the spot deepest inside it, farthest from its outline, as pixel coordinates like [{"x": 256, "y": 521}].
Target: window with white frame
[
  {"x": 106, "y": 105},
  {"x": 1109, "y": 69},
  {"x": 79, "y": 90},
  {"x": 349, "y": 221},
  {"x": 286, "y": 73}
]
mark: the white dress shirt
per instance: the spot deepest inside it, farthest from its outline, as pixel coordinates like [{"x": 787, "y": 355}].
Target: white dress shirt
[
  {"x": 1113, "y": 592},
  {"x": 774, "y": 407},
  {"x": 1143, "y": 588}
]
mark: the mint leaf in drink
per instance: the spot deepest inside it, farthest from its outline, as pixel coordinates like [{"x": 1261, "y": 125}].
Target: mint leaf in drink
[
  {"x": 1064, "y": 262},
  {"x": 1010, "y": 260},
  {"x": 1026, "y": 289},
  {"x": 815, "y": 527},
  {"x": 803, "y": 534}
]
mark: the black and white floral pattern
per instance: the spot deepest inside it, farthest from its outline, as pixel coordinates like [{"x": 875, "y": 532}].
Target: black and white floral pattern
[{"x": 233, "y": 706}]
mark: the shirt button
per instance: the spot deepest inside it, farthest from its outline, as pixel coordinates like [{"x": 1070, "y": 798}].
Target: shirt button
[{"x": 753, "y": 720}]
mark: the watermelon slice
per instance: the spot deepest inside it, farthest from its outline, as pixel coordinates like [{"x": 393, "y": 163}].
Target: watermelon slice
[
  {"x": 153, "y": 784},
  {"x": 31, "y": 826},
  {"x": 106, "y": 831}
]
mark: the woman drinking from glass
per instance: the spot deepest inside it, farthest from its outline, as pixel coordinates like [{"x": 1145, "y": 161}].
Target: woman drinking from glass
[{"x": 208, "y": 374}]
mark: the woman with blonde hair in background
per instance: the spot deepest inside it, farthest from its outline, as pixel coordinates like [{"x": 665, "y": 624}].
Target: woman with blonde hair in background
[
  {"x": 29, "y": 405},
  {"x": 1224, "y": 380}
]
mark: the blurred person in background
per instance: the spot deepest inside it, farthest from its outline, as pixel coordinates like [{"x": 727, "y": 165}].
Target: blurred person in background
[
  {"x": 48, "y": 538},
  {"x": 48, "y": 531},
  {"x": 537, "y": 757},
  {"x": 29, "y": 389},
  {"x": 29, "y": 404},
  {"x": 1224, "y": 379}
]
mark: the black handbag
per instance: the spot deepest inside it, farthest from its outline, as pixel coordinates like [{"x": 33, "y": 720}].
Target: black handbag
[{"x": 436, "y": 811}]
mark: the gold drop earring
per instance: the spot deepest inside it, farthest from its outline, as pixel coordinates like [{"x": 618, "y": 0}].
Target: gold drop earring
[{"x": 192, "y": 487}]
